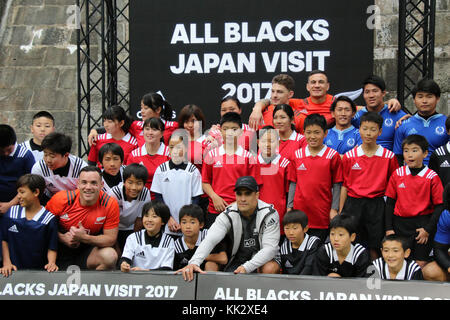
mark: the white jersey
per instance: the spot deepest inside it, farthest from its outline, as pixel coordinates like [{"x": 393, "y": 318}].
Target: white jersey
[
  {"x": 129, "y": 210},
  {"x": 54, "y": 182},
  {"x": 177, "y": 187},
  {"x": 146, "y": 256},
  {"x": 106, "y": 187},
  {"x": 38, "y": 155}
]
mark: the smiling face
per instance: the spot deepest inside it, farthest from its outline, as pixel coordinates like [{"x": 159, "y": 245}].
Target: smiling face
[
  {"x": 152, "y": 223},
  {"x": 133, "y": 187},
  {"x": 90, "y": 184},
  {"x": 374, "y": 97},
  {"x": 318, "y": 85},
  {"x": 27, "y": 197},
  {"x": 113, "y": 127},
  {"x": 152, "y": 135},
  {"x": 394, "y": 254},
  {"x": 343, "y": 113},
  {"x": 229, "y": 106},
  {"x": 282, "y": 122},
  {"x": 280, "y": 94},
  {"x": 55, "y": 160},
  {"x": 314, "y": 135}
]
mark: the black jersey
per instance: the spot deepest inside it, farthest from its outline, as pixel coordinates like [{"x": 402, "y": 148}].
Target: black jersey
[
  {"x": 409, "y": 271},
  {"x": 440, "y": 163},
  {"x": 300, "y": 260},
  {"x": 354, "y": 265}
]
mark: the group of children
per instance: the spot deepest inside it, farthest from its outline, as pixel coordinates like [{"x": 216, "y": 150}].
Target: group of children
[{"x": 341, "y": 202}]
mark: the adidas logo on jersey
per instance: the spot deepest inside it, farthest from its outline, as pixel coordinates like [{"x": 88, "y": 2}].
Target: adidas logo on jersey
[
  {"x": 13, "y": 229},
  {"x": 166, "y": 180},
  {"x": 402, "y": 185},
  {"x": 218, "y": 164},
  {"x": 445, "y": 164},
  {"x": 65, "y": 216},
  {"x": 356, "y": 167},
  {"x": 412, "y": 131},
  {"x": 301, "y": 167},
  {"x": 184, "y": 261},
  {"x": 288, "y": 264},
  {"x": 140, "y": 254}
]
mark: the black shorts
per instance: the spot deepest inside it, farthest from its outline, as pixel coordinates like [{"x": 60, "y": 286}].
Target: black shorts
[
  {"x": 73, "y": 256},
  {"x": 210, "y": 218},
  {"x": 122, "y": 238},
  {"x": 369, "y": 219},
  {"x": 406, "y": 227}
]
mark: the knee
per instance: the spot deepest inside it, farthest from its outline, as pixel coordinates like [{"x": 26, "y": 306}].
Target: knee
[
  {"x": 270, "y": 267},
  {"x": 103, "y": 259},
  {"x": 433, "y": 272}
]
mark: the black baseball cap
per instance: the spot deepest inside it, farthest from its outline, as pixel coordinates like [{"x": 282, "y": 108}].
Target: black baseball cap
[{"x": 246, "y": 182}]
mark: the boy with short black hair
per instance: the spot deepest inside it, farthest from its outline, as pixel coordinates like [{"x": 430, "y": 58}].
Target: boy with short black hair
[
  {"x": 298, "y": 249},
  {"x": 366, "y": 171},
  {"x": 111, "y": 158},
  {"x": 149, "y": 248},
  {"x": 191, "y": 221},
  {"x": 275, "y": 170},
  {"x": 224, "y": 165},
  {"x": 427, "y": 121},
  {"x": 15, "y": 161},
  {"x": 29, "y": 231},
  {"x": 440, "y": 158},
  {"x": 43, "y": 123},
  {"x": 374, "y": 91},
  {"x": 131, "y": 194},
  {"x": 414, "y": 199},
  {"x": 59, "y": 167},
  {"x": 177, "y": 173},
  {"x": 316, "y": 183},
  {"x": 343, "y": 136},
  {"x": 394, "y": 263},
  {"x": 339, "y": 257}
]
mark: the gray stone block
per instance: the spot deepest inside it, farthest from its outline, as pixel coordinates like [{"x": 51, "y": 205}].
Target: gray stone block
[
  {"x": 68, "y": 79},
  {"x": 60, "y": 57}
]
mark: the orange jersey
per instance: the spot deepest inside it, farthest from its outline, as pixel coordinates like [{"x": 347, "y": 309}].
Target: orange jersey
[
  {"x": 300, "y": 113},
  {"x": 103, "y": 215},
  {"x": 323, "y": 108}
]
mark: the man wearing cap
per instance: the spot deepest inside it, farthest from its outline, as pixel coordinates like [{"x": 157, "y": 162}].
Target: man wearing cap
[{"x": 251, "y": 229}]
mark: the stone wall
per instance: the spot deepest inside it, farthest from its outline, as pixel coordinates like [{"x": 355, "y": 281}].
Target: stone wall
[{"x": 38, "y": 61}]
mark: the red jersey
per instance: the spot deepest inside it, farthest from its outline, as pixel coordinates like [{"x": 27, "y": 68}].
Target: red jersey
[
  {"x": 288, "y": 147},
  {"x": 221, "y": 171},
  {"x": 151, "y": 162},
  {"x": 297, "y": 106},
  {"x": 275, "y": 182},
  {"x": 137, "y": 130},
  {"x": 368, "y": 177},
  {"x": 128, "y": 143},
  {"x": 416, "y": 195},
  {"x": 103, "y": 215},
  {"x": 315, "y": 177},
  {"x": 245, "y": 140}
]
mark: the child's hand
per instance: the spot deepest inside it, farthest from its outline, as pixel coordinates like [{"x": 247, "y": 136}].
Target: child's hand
[
  {"x": 125, "y": 267},
  {"x": 51, "y": 267},
  {"x": 139, "y": 269},
  {"x": 219, "y": 204},
  {"x": 92, "y": 137},
  {"x": 389, "y": 232},
  {"x": 422, "y": 237},
  {"x": 6, "y": 271},
  {"x": 173, "y": 225},
  {"x": 240, "y": 269},
  {"x": 333, "y": 213}
]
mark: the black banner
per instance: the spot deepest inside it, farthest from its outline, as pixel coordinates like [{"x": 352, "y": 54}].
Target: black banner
[{"x": 199, "y": 51}]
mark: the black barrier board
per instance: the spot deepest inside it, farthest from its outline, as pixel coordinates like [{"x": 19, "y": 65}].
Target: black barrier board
[
  {"x": 228, "y": 286},
  {"x": 199, "y": 51},
  {"x": 95, "y": 285}
]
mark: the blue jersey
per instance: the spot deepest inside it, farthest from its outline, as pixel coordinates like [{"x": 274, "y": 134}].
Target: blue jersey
[
  {"x": 386, "y": 140},
  {"x": 443, "y": 228},
  {"x": 432, "y": 129},
  {"x": 12, "y": 167},
  {"x": 29, "y": 240},
  {"x": 343, "y": 140}
]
